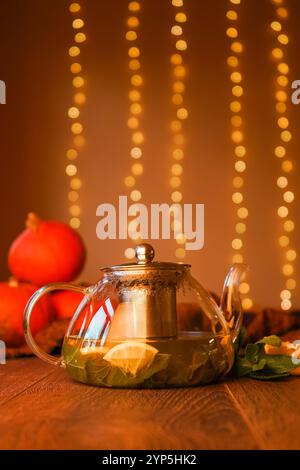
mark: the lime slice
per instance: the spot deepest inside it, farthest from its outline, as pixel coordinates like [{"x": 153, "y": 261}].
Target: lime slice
[{"x": 131, "y": 356}]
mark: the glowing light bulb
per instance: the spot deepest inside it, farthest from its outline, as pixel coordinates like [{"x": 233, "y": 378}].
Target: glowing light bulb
[
  {"x": 137, "y": 169},
  {"x": 80, "y": 37},
  {"x": 135, "y": 195},
  {"x": 176, "y": 196},
  {"x": 78, "y": 23},
  {"x": 73, "y": 112},
  {"x": 74, "y": 51},
  {"x": 71, "y": 170},
  {"x": 79, "y": 98},
  {"x": 232, "y": 32},
  {"x": 237, "y": 47},
  {"x": 232, "y": 15},
  {"x": 288, "y": 196},
  {"x": 180, "y": 17},
  {"x": 232, "y": 61},
  {"x": 74, "y": 222},
  {"x": 237, "y": 244},
  {"x": 78, "y": 82},
  {"x": 276, "y": 26},
  {"x": 129, "y": 181},
  {"x": 74, "y": 7},
  {"x": 247, "y": 304},
  {"x": 280, "y": 152},
  {"x": 77, "y": 128},
  {"x": 237, "y": 198},
  {"x": 176, "y": 30},
  {"x": 181, "y": 45},
  {"x": 283, "y": 211},
  {"x": 133, "y": 22},
  {"x": 75, "y": 67},
  {"x": 134, "y": 6},
  {"x": 72, "y": 154}
]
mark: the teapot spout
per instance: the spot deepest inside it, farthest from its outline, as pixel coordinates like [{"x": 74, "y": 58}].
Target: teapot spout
[{"x": 230, "y": 301}]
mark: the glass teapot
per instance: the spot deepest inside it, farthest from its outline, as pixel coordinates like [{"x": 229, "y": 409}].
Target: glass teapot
[{"x": 147, "y": 324}]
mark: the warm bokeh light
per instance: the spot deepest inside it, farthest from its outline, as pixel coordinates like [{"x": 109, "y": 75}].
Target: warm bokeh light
[
  {"x": 135, "y": 195},
  {"x": 181, "y": 45},
  {"x": 180, "y": 17},
  {"x": 74, "y": 222},
  {"x": 129, "y": 181},
  {"x": 79, "y": 98},
  {"x": 283, "y": 211},
  {"x": 133, "y": 22},
  {"x": 176, "y": 196},
  {"x": 137, "y": 169},
  {"x": 75, "y": 67},
  {"x": 72, "y": 154},
  {"x": 71, "y": 170},
  {"x": 180, "y": 253},
  {"x": 134, "y": 6},
  {"x": 74, "y": 7},
  {"x": 73, "y": 112},
  {"x": 78, "y": 23},
  {"x": 176, "y": 30},
  {"x": 80, "y": 37},
  {"x": 74, "y": 51},
  {"x": 78, "y": 82},
  {"x": 77, "y": 128}
]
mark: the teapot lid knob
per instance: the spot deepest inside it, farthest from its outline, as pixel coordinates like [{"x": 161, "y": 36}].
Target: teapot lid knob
[{"x": 144, "y": 253}]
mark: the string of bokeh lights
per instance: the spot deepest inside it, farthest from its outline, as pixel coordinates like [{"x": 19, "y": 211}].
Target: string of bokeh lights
[
  {"x": 237, "y": 137},
  {"x": 79, "y": 99},
  {"x": 180, "y": 115},
  {"x": 135, "y": 111},
  {"x": 282, "y": 153}
]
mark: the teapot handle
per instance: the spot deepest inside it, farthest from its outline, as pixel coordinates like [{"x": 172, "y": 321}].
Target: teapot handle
[{"x": 57, "y": 361}]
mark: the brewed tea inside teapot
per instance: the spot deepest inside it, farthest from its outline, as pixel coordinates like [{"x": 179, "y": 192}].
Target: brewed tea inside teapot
[{"x": 147, "y": 324}]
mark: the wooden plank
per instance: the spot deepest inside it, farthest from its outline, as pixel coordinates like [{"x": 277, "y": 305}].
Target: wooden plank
[
  {"x": 57, "y": 413},
  {"x": 18, "y": 374},
  {"x": 271, "y": 410}
]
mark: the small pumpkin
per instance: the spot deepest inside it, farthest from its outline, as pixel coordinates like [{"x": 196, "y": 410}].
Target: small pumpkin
[
  {"x": 14, "y": 296},
  {"x": 47, "y": 251},
  {"x": 65, "y": 303}
]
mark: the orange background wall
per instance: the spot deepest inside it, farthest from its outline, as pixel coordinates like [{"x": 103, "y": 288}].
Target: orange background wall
[{"x": 34, "y": 39}]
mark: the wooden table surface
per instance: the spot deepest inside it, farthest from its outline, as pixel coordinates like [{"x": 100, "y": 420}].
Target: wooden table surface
[{"x": 42, "y": 408}]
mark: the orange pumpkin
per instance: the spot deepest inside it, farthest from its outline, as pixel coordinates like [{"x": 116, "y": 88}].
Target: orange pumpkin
[
  {"x": 14, "y": 296},
  {"x": 47, "y": 251}
]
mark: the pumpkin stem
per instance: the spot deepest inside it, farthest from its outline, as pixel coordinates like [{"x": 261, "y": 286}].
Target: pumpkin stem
[
  {"x": 13, "y": 282},
  {"x": 32, "y": 221}
]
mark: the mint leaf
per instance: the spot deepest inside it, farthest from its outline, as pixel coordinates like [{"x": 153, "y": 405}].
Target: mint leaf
[
  {"x": 101, "y": 372},
  {"x": 268, "y": 375},
  {"x": 279, "y": 363},
  {"x": 242, "y": 367},
  {"x": 260, "y": 365},
  {"x": 272, "y": 340}
]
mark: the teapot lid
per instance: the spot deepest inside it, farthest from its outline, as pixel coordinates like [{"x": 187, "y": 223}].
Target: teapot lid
[{"x": 144, "y": 254}]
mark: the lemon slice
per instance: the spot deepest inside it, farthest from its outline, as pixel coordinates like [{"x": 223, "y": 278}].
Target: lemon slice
[
  {"x": 131, "y": 356},
  {"x": 97, "y": 350}
]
